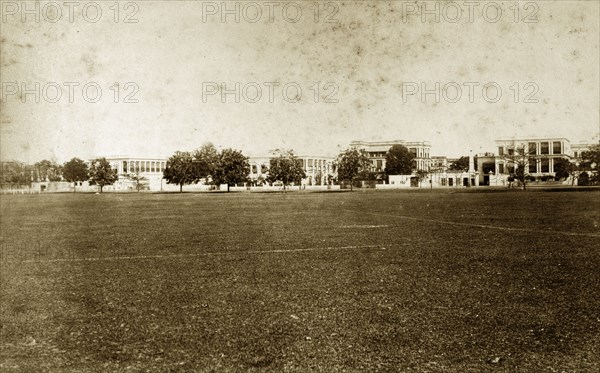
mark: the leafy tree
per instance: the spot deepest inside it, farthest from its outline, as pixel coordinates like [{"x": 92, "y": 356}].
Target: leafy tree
[
  {"x": 138, "y": 179},
  {"x": 286, "y": 168},
  {"x": 399, "y": 161},
  {"x": 181, "y": 169},
  {"x": 488, "y": 167},
  {"x": 563, "y": 168},
  {"x": 232, "y": 168},
  {"x": 260, "y": 180},
  {"x": 101, "y": 173},
  {"x": 461, "y": 164},
  {"x": 75, "y": 171},
  {"x": 16, "y": 173},
  {"x": 48, "y": 171},
  {"x": 354, "y": 165},
  {"x": 206, "y": 160},
  {"x": 584, "y": 179},
  {"x": 590, "y": 161}
]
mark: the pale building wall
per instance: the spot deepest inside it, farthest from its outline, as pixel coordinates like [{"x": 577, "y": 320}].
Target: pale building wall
[
  {"x": 313, "y": 167},
  {"x": 377, "y": 152}
]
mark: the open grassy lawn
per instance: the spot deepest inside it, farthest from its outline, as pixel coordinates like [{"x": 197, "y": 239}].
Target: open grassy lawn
[{"x": 363, "y": 281}]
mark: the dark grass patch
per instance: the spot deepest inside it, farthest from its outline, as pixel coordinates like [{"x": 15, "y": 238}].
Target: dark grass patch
[{"x": 409, "y": 292}]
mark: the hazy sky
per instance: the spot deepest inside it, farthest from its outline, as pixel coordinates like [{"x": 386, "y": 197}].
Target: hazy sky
[{"x": 369, "y": 52}]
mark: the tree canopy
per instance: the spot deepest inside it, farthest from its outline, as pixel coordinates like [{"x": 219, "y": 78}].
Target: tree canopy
[
  {"x": 286, "y": 168},
  {"x": 15, "y": 173},
  {"x": 232, "y": 167},
  {"x": 206, "y": 160},
  {"x": 75, "y": 170},
  {"x": 354, "y": 165},
  {"x": 181, "y": 169},
  {"x": 48, "y": 170},
  {"x": 399, "y": 161},
  {"x": 101, "y": 173},
  {"x": 563, "y": 168},
  {"x": 461, "y": 164},
  {"x": 590, "y": 161}
]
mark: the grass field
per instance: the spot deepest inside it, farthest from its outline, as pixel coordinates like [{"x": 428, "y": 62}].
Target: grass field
[{"x": 298, "y": 282}]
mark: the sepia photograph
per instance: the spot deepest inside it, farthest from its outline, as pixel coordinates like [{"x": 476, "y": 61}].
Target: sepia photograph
[{"x": 300, "y": 186}]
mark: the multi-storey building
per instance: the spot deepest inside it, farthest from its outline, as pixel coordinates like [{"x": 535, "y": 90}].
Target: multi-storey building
[
  {"x": 578, "y": 149},
  {"x": 377, "y": 151},
  {"x": 150, "y": 169},
  {"x": 536, "y": 155},
  {"x": 320, "y": 170}
]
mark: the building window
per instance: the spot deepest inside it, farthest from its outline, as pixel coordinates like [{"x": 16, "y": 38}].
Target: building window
[
  {"x": 544, "y": 148},
  {"x": 254, "y": 169},
  {"x": 532, "y": 166},
  {"x": 501, "y": 168},
  {"x": 545, "y": 165},
  {"x": 511, "y": 151},
  {"x": 532, "y": 149},
  {"x": 501, "y": 150},
  {"x": 557, "y": 147}
]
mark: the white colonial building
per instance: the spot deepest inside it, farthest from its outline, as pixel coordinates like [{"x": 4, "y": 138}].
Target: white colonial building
[
  {"x": 319, "y": 169},
  {"x": 377, "y": 151},
  {"x": 149, "y": 169},
  {"x": 537, "y": 154}
]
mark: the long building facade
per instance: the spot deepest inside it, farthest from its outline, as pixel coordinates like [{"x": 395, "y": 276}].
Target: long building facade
[
  {"x": 538, "y": 155},
  {"x": 320, "y": 170},
  {"x": 150, "y": 169}
]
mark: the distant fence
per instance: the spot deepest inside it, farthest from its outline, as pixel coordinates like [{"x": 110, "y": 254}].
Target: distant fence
[
  {"x": 20, "y": 191},
  {"x": 172, "y": 188}
]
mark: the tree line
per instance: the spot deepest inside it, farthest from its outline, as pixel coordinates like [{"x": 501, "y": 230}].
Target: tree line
[
  {"x": 230, "y": 167},
  {"x": 98, "y": 172}
]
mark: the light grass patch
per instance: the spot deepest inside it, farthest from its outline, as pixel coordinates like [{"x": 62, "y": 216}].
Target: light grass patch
[{"x": 364, "y": 226}]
